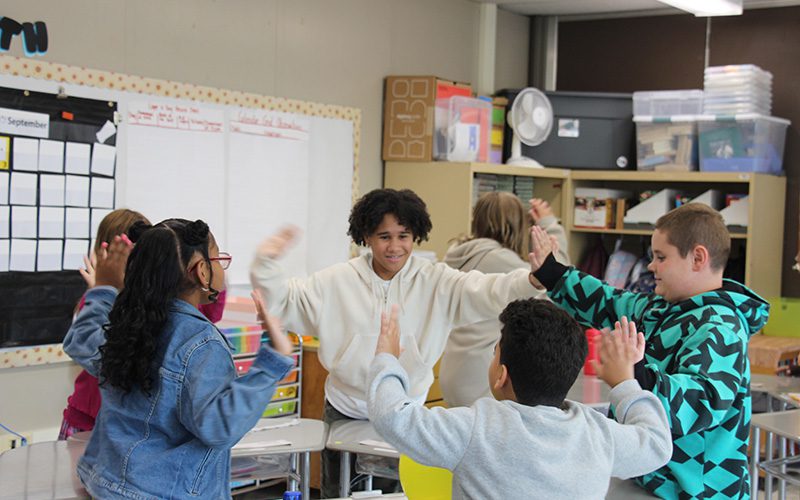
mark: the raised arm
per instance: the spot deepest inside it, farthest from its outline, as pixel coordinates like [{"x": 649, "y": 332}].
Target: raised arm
[
  {"x": 643, "y": 443},
  {"x": 86, "y": 335},
  {"x": 296, "y": 301},
  {"x": 436, "y": 436},
  {"x": 589, "y": 300}
]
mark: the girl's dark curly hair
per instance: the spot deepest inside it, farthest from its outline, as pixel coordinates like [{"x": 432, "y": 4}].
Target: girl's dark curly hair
[
  {"x": 155, "y": 275},
  {"x": 368, "y": 213}
]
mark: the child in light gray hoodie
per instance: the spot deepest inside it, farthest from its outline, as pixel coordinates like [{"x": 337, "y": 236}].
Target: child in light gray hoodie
[{"x": 529, "y": 442}]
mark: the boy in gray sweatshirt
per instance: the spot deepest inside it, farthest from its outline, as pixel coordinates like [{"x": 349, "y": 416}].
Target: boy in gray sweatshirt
[{"x": 528, "y": 442}]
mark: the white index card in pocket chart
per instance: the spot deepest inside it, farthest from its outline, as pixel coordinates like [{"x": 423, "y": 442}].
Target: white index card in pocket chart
[
  {"x": 51, "y": 190},
  {"x": 23, "y": 255},
  {"x": 74, "y": 252},
  {"x": 76, "y": 223},
  {"x": 5, "y": 250},
  {"x": 102, "y": 193},
  {"x": 48, "y": 255},
  {"x": 5, "y": 221},
  {"x": 51, "y": 156},
  {"x": 23, "y": 222},
  {"x": 103, "y": 157},
  {"x": 5, "y": 178},
  {"x": 23, "y": 188},
  {"x": 98, "y": 214},
  {"x": 26, "y": 154},
  {"x": 76, "y": 192},
  {"x": 76, "y": 158},
  {"x": 51, "y": 222}
]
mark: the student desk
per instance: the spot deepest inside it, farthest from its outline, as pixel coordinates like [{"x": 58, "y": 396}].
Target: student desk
[
  {"x": 346, "y": 437},
  {"x": 49, "y": 470},
  {"x": 785, "y": 425},
  {"x": 775, "y": 388},
  {"x": 306, "y": 436},
  {"x": 42, "y": 470}
]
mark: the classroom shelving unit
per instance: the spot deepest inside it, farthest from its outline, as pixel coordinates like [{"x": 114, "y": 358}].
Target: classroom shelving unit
[
  {"x": 447, "y": 189},
  {"x": 761, "y": 244}
]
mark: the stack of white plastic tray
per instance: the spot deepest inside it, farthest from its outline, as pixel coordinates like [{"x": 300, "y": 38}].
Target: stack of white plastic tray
[{"x": 737, "y": 89}]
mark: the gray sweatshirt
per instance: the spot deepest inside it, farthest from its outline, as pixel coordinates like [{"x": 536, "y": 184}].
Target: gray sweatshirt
[{"x": 503, "y": 449}]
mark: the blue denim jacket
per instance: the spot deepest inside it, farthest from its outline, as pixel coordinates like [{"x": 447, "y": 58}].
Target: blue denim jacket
[{"x": 176, "y": 441}]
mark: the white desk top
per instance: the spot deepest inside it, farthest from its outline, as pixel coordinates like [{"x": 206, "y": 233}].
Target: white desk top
[
  {"x": 42, "y": 470},
  {"x": 307, "y": 435},
  {"x": 347, "y": 435},
  {"x": 783, "y": 423}
]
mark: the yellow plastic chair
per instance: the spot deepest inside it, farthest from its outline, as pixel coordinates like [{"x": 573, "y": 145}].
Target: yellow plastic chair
[{"x": 421, "y": 482}]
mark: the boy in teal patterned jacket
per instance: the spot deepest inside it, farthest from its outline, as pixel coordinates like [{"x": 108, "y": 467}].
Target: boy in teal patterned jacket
[{"x": 697, "y": 326}]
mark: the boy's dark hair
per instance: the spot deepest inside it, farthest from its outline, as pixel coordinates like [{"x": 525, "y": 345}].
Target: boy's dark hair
[
  {"x": 697, "y": 224},
  {"x": 543, "y": 349},
  {"x": 368, "y": 213}
]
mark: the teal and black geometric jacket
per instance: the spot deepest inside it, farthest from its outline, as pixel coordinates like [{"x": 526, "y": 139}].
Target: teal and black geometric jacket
[{"x": 695, "y": 363}]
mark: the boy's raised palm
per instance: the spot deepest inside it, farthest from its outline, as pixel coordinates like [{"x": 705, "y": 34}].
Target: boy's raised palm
[
  {"x": 389, "y": 338},
  {"x": 276, "y": 245},
  {"x": 541, "y": 247},
  {"x": 620, "y": 349}
]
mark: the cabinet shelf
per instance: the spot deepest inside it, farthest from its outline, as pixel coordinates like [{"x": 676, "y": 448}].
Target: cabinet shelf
[
  {"x": 639, "y": 232},
  {"x": 447, "y": 189}
]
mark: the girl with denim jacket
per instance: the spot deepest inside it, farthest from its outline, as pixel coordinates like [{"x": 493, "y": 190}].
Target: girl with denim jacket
[{"x": 172, "y": 404}]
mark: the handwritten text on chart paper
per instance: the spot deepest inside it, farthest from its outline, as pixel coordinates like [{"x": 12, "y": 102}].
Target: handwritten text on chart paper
[
  {"x": 270, "y": 124},
  {"x": 175, "y": 116}
]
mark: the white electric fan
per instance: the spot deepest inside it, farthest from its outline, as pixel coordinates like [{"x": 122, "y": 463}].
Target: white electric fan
[{"x": 531, "y": 118}]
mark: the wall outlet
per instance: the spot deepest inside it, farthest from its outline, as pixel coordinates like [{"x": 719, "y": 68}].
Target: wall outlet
[{"x": 11, "y": 441}]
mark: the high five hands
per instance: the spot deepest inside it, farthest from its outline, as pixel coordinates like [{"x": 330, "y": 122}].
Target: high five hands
[
  {"x": 620, "y": 349},
  {"x": 109, "y": 269},
  {"x": 271, "y": 324},
  {"x": 389, "y": 338},
  {"x": 276, "y": 245}
]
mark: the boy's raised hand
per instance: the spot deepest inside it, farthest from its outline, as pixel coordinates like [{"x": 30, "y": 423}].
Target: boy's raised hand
[
  {"x": 620, "y": 349},
  {"x": 111, "y": 261},
  {"x": 276, "y": 245},
  {"x": 280, "y": 341},
  {"x": 389, "y": 338},
  {"x": 541, "y": 247}
]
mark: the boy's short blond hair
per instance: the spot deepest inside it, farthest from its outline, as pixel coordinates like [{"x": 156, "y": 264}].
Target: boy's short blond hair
[{"x": 695, "y": 224}]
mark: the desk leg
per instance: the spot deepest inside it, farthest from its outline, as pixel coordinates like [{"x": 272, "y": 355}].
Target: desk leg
[
  {"x": 782, "y": 443},
  {"x": 755, "y": 445},
  {"x": 769, "y": 455},
  {"x": 293, "y": 475},
  {"x": 305, "y": 473},
  {"x": 368, "y": 483},
  {"x": 344, "y": 474}
]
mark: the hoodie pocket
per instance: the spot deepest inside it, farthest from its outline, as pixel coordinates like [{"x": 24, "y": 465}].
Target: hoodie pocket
[
  {"x": 352, "y": 366},
  {"x": 412, "y": 362}
]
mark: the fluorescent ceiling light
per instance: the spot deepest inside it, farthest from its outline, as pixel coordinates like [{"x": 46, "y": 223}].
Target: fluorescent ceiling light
[{"x": 708, "y": 8}]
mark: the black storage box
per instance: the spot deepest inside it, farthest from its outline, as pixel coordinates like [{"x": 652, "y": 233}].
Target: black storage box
[{"x": 590, "y": 131}]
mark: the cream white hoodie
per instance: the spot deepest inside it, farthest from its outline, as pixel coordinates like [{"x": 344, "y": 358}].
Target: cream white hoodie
[
  {"x": 470, "y": 349},
  {"x": 342, "y": 304}
]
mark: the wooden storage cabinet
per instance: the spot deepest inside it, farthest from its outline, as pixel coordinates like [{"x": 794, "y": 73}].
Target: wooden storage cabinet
[
  {"x": 761, "y": 244},
  {"x": 447, "y": 190},
  {"x": 446, "y": 187}
]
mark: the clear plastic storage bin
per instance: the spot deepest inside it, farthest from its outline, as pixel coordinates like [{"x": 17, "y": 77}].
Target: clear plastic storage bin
[
  {"x": 742, "y": 143},
  {"x": 666, "y": 143},
  {"x": 668, "y": 102},
  {"x": 463, "y": 129}
]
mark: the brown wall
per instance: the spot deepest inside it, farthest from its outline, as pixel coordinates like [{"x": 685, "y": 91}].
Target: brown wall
[{"x": 666, "y": 52}]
